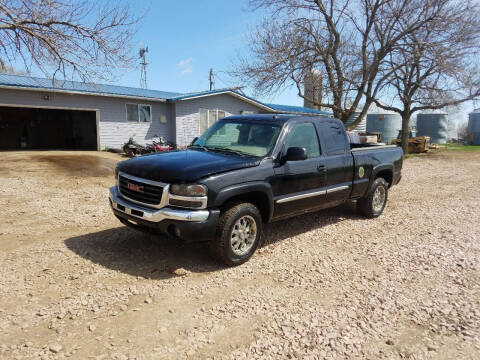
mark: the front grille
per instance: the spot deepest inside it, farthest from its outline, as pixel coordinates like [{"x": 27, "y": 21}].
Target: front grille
[{"x": 140, "y": 191}]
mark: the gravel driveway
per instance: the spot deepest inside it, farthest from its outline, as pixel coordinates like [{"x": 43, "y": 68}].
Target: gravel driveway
[{"x": 75, "y": 283}]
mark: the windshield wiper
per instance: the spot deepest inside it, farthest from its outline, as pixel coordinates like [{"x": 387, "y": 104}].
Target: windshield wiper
[
  {"x": 227, "y": 150},
  {"x": 198, "y": 147}
]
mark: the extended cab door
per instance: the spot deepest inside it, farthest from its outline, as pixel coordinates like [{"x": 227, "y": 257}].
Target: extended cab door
[
  {"x": 299, "y": 185},
  {"x": 338, "y": 161}
]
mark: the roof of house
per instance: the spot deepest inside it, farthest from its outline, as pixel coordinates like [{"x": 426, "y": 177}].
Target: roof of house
[
  {"x": 35, "y": 83},
  {"x": 29, "y": 82}
]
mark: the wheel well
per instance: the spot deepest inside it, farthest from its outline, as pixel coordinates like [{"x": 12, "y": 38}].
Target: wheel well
[
  {"x": 257, "y": 198},
  {"x": 387, "y": 175}
]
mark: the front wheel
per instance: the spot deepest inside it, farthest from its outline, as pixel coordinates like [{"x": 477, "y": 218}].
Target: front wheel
[
  {"x": 374, "y": 202},
  {"x": 238, "y": 234},
  {"x": 129, "y": 152}
]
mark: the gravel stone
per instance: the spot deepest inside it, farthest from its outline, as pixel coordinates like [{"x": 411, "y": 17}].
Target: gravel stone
[
  {"x": 55, "y": 348},
  {"x": 326, "y": 285}
]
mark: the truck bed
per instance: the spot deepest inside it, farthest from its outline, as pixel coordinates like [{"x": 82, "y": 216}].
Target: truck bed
[{"x": 375, "y": 159}]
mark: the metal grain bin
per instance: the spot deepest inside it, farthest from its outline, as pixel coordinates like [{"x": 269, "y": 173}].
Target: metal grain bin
[
  {"x": 434, "y": 125},
  {"x": 473, "y": 131},
  {"x": 362, "y": 126},
  {"x": 386, "y": 124},
  {"x": 313, "y": 89}
]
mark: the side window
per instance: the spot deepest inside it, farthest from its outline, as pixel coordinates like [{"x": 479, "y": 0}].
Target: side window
[
  {"x": 304, "y": 135},
  {"x": 334, "y": 137}
]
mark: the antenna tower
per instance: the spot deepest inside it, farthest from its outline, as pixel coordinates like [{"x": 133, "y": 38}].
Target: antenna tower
[{"x": 143, "y": 63}]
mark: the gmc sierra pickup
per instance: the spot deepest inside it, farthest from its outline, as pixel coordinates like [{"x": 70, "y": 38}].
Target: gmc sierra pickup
[{"x": 245, "y": 171}]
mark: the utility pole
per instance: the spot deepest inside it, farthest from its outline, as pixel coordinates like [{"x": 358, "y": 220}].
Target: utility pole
[
  {"x": 212, "y": 80},
  {"x": 143, "y": 76}
]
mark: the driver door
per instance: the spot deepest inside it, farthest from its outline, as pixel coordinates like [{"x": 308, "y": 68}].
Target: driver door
[{"x": 299, "y": 185}]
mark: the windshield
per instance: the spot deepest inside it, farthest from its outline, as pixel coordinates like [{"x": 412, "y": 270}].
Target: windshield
[{"x": 240, "y": 136}]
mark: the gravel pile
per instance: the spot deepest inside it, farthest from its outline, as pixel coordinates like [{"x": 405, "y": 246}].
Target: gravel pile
[{"x": 74, "y": 283}]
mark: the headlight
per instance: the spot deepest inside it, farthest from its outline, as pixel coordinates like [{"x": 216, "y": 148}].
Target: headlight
[{"x": 188, "y": 190}]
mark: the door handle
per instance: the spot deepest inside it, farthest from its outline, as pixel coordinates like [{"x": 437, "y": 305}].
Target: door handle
[{"x": 321, "y": 168}]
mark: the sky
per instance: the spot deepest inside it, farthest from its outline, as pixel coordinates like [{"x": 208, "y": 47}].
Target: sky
[{"x": 187, "y": 38}]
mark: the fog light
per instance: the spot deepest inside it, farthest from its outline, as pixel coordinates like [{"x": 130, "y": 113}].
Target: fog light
[{"x": 185, "y": 203}]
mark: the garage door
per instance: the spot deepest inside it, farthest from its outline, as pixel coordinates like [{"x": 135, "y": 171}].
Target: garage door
[{"x": 31, "y": 128}]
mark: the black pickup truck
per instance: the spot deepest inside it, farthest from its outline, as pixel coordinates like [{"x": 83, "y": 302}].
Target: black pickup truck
[{"x": 245, "y": 171}]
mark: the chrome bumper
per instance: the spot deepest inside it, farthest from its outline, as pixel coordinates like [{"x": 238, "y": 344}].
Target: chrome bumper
[{"x": 154, "y": 215}]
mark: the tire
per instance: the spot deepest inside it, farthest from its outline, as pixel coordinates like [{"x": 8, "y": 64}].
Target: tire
[
  {"x": 232, "y": 245},
  {"x": 128, "y": 151},
  {"x": 374, "y": 202}
]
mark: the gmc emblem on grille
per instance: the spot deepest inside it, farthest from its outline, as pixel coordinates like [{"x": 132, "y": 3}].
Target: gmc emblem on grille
[{"x": 134, "y": 187}]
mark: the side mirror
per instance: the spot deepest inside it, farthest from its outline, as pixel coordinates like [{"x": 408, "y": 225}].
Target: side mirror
[{"x": 295, "y": 154}]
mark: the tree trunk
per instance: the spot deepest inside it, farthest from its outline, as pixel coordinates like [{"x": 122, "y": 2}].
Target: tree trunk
[{"x": 405, "y": 131}]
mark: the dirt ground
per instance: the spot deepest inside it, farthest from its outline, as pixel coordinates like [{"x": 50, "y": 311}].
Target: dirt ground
[{"x": 76, "y": 283}]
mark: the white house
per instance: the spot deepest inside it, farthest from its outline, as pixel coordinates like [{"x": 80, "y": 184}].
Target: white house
[{"x": 38, "y": 114}]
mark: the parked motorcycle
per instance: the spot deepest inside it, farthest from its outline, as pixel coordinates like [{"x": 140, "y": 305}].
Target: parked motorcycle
[{"x": 132, "y": 148}]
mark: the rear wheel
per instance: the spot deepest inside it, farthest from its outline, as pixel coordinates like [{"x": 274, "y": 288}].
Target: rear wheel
[
  {"x": 238, "y": 234},
  {"x": 374, "y": 202}
]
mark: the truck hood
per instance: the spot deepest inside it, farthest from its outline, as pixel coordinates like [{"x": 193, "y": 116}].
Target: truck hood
[{"x": 184, "y": 165}]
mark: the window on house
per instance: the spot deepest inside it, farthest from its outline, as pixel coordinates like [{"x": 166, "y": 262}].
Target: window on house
[
  {"x": 139, "y": 113},
  {"x": 208, "y": 117},
  {"x": 246, "y": 112}
]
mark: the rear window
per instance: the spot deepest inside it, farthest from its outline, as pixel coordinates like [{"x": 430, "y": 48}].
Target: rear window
[{"x": 334, "y": 138}]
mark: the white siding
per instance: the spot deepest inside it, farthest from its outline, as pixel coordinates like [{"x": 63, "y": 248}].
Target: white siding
[
  {"x": 114, "y": 129},
  {"x": 188, "y": 117}
]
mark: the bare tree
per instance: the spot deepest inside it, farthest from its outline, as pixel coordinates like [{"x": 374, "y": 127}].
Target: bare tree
[
  {"x": 462, "y": 131},
  {"x": 346, "y": 42},
  {"x": 77, "y": 38},
  {"x": 437, "y": 65},
  {"x": 5, "y": 69}
]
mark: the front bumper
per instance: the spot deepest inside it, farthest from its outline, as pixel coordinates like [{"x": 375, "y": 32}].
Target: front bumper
[{"x": 197, "y": 225}]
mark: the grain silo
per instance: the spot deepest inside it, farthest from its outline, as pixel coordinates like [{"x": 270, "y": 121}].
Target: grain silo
[
  {"x": 313, "y": 89},
  {"x": 473, "y": 131},
  {"x": 387, "y": 124},
  {"x": 362, "y": 126},
  {"x": 434, "y": 125}
]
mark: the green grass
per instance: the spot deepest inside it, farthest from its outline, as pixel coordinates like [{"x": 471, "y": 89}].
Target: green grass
[
  {"x": 461, "y": 147},
  {"x": 448, "y": 147}
]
